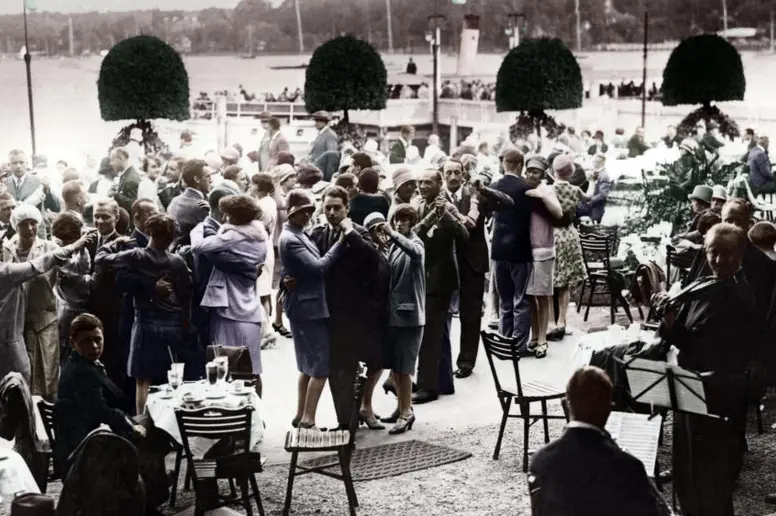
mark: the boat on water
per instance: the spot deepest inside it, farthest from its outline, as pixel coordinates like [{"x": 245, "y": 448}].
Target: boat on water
[{"x": 289, "y": 67}]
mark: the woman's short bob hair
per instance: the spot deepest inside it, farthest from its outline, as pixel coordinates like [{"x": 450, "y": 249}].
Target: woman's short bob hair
[
  {"x": 241, "y": 209},
  {"x": 403, "y": 212}
]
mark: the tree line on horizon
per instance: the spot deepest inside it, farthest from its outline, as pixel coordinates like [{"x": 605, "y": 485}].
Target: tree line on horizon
[{"x": 255, "y": 26}]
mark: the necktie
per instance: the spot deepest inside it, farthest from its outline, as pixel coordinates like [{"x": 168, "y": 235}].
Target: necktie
[{"x": 333, "y": 236}]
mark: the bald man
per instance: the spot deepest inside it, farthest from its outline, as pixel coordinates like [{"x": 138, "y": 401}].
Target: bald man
[{"x": 585, "y": 473}]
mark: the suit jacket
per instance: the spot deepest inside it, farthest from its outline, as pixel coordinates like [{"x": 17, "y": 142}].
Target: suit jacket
[
  {"x": 601, "y": 190},
  {"x": 106, "y": 303},
  {"x": 126, "y": 193},
  {"x": 440, "y": 235},
  {"x": 326, "y": 140},
  {"x": 302, "y": 260},
  {"x": 86, "y": 399},
  {"x": 585, "y": 473},
  {"x": 511, "y": 231},
  {"x": 31, "y": 192},
  {"x": 475, "y": 249},
  {"x": 187, "y": 212},
  {"x": 170, "y": 192},
  {"x": 277, "y": 144},
  {"x": 398, "y": 152},
  {"x": 349, "y": 281},
  {"x": 760, "y": 169}
]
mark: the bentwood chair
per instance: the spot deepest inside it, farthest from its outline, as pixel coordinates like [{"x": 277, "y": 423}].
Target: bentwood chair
[
  {"x": 46, "y": 411},
  {"x": 522, "y": 394}
]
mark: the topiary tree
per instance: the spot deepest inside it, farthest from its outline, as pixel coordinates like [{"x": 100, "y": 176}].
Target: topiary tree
[
  {"x": 143, "y": 78},
  {"x": 537, "y": 75},
  {"x": 345, "y": 73},
  {"x": 701, "y": 70}
]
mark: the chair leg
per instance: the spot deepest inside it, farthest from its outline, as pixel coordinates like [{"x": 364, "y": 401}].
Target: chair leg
[
  {"x": 625, "y": 306},
  {"x": 590, "y": 299},
  {"x": 525, "y": 411},
  {"x": 246, "y": 500},
  {"x": 187, "y": 482},
  {"x": 290, "y": 487},
  {"x": 256, "y": 494},
  {"x": 759, "y": 413},
  {"x": 505, "y": 406},
  {"x": 176, "y": 474},
  {"x": 350, "y": 490},
  {"x": 546, "y": 422},
  {"x": 641, "y": 313},
  {"x": 581, "y": 293}
]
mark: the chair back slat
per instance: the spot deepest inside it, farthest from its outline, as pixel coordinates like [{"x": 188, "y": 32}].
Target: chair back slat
[
  {"x": 681, "y": 260},
  {"x": 596, "y": 249},
  {"x": 503, "y": 349},
  {"x": 215, "y": 423}
]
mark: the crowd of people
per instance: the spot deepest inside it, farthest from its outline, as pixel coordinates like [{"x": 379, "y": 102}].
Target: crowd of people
[{"x": 158, "y": 256}]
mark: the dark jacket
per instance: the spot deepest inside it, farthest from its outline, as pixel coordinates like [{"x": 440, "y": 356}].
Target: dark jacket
[
  {"x": 760, "y": 169},
  {"x": 511, "y": 231},
  {"x": 585, "y": 473},
  {"x": 126, "y": 193},
  {"x": 86, "y": 399},
  {"x": 475, "y": 249},
  {"x": 188, "y": 211},
  {"x": 170, "y": 192},
  {"x": 636, "y": 146},
  {"x": 398, "y": 152},
  {"x": 440, "y": 236},
  {"x": 363, "y": 204}
]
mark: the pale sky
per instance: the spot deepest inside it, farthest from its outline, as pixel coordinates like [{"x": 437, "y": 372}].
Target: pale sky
[{"x": 15, "y": 6}]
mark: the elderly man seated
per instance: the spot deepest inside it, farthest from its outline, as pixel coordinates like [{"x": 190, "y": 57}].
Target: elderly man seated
[{"x": 585, "y": 473}]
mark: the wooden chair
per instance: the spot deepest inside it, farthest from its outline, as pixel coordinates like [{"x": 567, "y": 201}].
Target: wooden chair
[
  {"x": 682, "y": 261},
  {"x": 522, "y": 394},
  {"x": 46, "y": 410},
  {"x": 300, "y": 440},
  {"x": 220, "y": 423},
  {"x": 597, "y": 254}
]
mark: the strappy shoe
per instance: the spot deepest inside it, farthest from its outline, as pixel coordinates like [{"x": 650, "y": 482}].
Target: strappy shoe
[
  {"x": 540, "y": 351},
  {"x": 392, "y": 419},
  {"x": 403, "y": 425},
  {"x": 556, "y": 334},
  {"x": 372, "y": 422},
  {"x": 282, "y": 330}
]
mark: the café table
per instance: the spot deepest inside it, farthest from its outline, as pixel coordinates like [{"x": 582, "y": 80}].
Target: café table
[
  {"x": 161, "y": 406},
  {"x": 601, "y": 340},
  {"x": 15, "y": 477}
]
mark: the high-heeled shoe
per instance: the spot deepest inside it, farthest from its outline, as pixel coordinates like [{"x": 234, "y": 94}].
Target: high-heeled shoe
[
  {"x": 307, "y": 426},
  {"x": 372, "y": 422},
  {"x": 295, "y": 422},
  {"x": 389, "y": 387},
  {"x": 392, "y": 419},
  {"x": 403, "y": 425}
]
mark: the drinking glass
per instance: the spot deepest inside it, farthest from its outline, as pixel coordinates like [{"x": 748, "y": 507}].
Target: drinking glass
[
  {"x": 211, "y": 370},
  {"x": 223, "y": 368},
  {"x": 174, "y": 379}
]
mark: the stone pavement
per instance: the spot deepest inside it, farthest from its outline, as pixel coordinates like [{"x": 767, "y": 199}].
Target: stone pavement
[{"x": 474, "y": 401}]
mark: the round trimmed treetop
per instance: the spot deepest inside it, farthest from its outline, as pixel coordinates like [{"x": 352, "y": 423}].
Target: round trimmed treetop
[
  {"x": 703, "y": 69},
  {"x": 143, "y": 78},
  {"x": 537, "y": 75},
  {"x": 345, "y": 73}
]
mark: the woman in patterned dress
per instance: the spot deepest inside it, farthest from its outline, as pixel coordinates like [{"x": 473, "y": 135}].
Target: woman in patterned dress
[{"x": 569, "y": 264}]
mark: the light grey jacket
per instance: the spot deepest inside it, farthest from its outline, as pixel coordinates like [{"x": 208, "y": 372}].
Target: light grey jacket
[{"x": 407, "y": 304}]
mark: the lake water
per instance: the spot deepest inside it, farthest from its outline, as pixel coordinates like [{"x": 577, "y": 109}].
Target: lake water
[{"x": 67, "y": 116}]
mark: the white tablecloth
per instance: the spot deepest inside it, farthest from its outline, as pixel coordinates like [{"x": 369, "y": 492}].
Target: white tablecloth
[
  {"x": 162, "y": 411},
  {"x": 15, "y": 476}
]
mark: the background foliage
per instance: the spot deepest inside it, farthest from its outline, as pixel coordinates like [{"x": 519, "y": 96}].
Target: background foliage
[
  {"x": 345, "y": 73},
  {"x": 226, "y": 30},
  {"x": 727, "y": 126},
  {"x": 537, "y": 75},
  {"x": 703, "y": 69},
  {"x": 151, "y": 141},
  {"x": 143, "y": 78}
]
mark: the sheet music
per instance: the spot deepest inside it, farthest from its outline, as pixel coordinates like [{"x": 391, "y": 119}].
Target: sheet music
[
  {"x": 637, "y": 435},
  {"x": 690, "y": 394},
  {"x": 649, "y": 384}
]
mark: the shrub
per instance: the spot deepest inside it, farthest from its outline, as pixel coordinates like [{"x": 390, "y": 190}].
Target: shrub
[
  {"x": 152, "y": 143},
  {"x": 143, "y": 78},
  {"x": 345, "y": 73},
  {"x": 703, "y": 69},
  {"x": 727, "y": 126},
  {"x": 537, "y": 75}
]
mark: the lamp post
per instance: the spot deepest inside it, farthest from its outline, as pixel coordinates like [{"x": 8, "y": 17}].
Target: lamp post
[
  {"x": 433, "y": 36},
  {"x": 27, "y": 60},
  {"x": 515, "y": 22},
  {"x": 644, "y": 71}
]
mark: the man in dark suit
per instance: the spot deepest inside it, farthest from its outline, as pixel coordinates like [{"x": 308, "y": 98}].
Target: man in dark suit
[
  {"x": 475, "y": 203},
  {"x": 349, "y": 295},
  {"x": 7, "y": 204},
  {"x": 441, "y": 230},
  {"x": 191, "y": 207},
  {"x": 595, "y": 206},
  {"x": 636, "y": 145},
  {"x": 125, "y": 192},
  {"x": 585, "y": 473},
  {"x": 760, "y": 168},
  {"x": 399, "y": 149}
]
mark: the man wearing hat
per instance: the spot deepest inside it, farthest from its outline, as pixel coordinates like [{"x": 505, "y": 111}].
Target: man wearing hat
[
  {"x": 595, "y": 204},
  {"x": 718, "y": 198},
  {"x": 326, "y": 140},
  {"x": 700, "y": 201}
]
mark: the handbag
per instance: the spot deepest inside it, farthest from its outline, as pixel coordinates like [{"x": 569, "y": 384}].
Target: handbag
[
  {"x": 240, "y": 364},
  {"x": 33, "y": 504}
]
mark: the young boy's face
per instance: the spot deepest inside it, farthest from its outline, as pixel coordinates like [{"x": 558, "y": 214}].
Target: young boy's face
[{"x": 88, "y": 344}]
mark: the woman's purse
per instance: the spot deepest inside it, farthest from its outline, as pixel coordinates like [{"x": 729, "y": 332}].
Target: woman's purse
[{"x": 240, "y": 364}]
